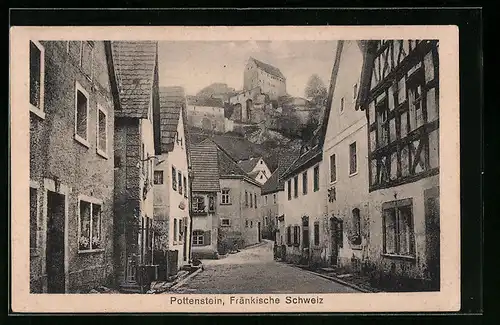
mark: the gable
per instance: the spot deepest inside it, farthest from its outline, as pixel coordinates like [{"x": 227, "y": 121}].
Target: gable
[{"x": 134, "y": 65}]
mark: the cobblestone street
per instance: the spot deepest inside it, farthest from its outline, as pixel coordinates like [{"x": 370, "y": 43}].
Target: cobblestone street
[{"x": 254, "y": 270}]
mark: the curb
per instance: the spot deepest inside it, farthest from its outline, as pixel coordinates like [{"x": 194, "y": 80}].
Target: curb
[
  {"x": 255, "y": 245},
  {"x": 334, "y": 279},
  {"x": 186, "y": 279}
]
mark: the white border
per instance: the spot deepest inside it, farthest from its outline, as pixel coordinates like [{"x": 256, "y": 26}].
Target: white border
[{"x": 448, "y": 299}]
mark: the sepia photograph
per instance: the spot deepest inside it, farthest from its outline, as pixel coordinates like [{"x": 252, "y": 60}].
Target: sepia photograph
[{"x": 237, "y": 171}]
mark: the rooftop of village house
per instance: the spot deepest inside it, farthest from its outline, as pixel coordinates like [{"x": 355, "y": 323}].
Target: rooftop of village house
[
  {"x": 268, "y": 68},
  {"x": 134, "y": 64},
  {"x": 172, "y": 101}
]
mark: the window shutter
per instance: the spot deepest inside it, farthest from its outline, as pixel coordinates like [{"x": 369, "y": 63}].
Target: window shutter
[{"x": 207, "y": 237}]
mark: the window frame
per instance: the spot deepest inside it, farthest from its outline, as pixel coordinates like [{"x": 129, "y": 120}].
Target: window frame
[
  {"x": 333, "y": 168},
  {"x": 296, "y": 186},
  {"x": 162, "y": 179},
  {"x": 92, "y": 201},
  {"x": 316, "y": 176},
  {"x": 179, "y": 182},
  {"x": 341, "y": 106},
  {"x": 77, "y": 137},
  {"x": 198, "y": 200},
  {"x": 396, "y": 206},
  {"x": 184, "y": 178},
  {"x": 100, "y": 151},
  {"x": 353, "y": 173},
  {"x": 222, "y": 224},
  {"x": 196, "y": 238},
  {"x": 174, "y": 178},
  {"x": 304, "y": 182},
  {"x": 289, "y": 189},
  {"x": 225, "y": 195},
  {"x": 274, "y": 198},
  {"x": 316, "y": 234},
  {"x": 38, "y": 111}
]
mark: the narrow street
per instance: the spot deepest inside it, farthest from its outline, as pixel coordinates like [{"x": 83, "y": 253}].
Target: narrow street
[{"x": 254, "y": 271}]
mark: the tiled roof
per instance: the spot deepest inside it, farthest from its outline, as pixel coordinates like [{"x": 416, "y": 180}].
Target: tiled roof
[
  {"x": 205, "y": 101},
  {"x": 134, "y": 64},
  {"x": 227, "y": 166},
  {"x": 204, "y": 162},
  {"x": 254, "y": 174},
  {"x": 268, "y": 68},
  {"x": 304, "y": 161},
  {"x": 238, "y": 148},
  {"x": 275, "y": 183},
  {"x": 249, "y": 164},
  {"x": 172, "y": 100}
]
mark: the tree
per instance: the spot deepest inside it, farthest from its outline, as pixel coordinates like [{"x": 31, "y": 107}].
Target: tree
[{"x": 316, "y": 90}]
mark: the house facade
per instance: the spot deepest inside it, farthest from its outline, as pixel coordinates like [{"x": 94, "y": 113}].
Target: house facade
[
  {"x": 205, "y": 188},
  {"x": 238, "y": 204},
  {"x": 135, "y": 90},
  {"x": 305, "y": 206},
  {"x": 256, "y": 168},
  {"x": 344, "y": 153},
  {"x": 171, "y": 187},
  {"x": 71, "y": 166},
  {"x": 206, "y": 113},
  {"x": 269, "y": 78},
  {"x": 400, "y": 97}
]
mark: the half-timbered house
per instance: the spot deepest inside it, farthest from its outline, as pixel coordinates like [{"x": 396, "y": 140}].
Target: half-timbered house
[{"x": 400, "y": 96}]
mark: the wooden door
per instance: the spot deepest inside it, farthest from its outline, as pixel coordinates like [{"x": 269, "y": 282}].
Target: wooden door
[{"x": 55, "y": 243}]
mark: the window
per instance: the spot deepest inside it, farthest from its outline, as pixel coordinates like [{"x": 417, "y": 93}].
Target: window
[
  {"x": 296, "y": 186},
  {"x": 33, "y": 218},
  {"x": 89, "y": 226},
  {"x": 174, "y": 179},
  {"x": 251, "y": 224},
  {"x": 246, "y": 223},
  {"x": 179, "y": 177},
  {"x": 102, "y": 131},
  {"x": 198, "y": 236},
  {"x": 185, "y": 187},
  {"x": 353, "y": 164},
  {"x": 415, "y": 103},
  {"x": 81, "y": 115},
  {"x": 37, "y": 76},
  {"x": 355, "y": 91},
  {"x": 289, "y": 235},
  {"x": 382, "y": 123},
  {"x": 274, "y": 198},
  {"x": 316, "y": 178},
  {"x": 181, "y": 230},
  {"x": 333, "y": 169},
  {"x": 198, "y": 204},
  {"x": 296, "y": 235},
  {"x": 158, "y": 177},
  {"x": 265, "y": 197},
  {"x": 225, "y": 198},
  {"x": 398, "y": 235},
  {"x": 176, "y": 230},
  {"x": 289, "y": 188},
  {"x": 87, "y": 58},
  {"x": 211, "y": 203},
  {"x": 225, "y": 222},
  {"x": 246, "y": 198},
  {"x": 342, "y": 105},
  {"x": 356, "y": 222},
  {"x": 304, "y": 183},
  {"x": 316, "y": 233},
  {"x": 255, "y": 200},
  {"x": 251, "y": 200}
]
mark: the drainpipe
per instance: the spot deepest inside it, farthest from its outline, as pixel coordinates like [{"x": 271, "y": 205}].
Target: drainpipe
[{"x": 190, "y": 195}]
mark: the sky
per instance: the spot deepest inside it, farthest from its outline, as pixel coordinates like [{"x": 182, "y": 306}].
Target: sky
[{"x": 197, "y": 64}]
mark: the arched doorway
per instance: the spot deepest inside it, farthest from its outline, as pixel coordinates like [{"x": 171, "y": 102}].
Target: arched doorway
[
  {"x": 336, "y": 231},
  {"x": 206, "y": 124},
  {"x": 248, "y": 110}
]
